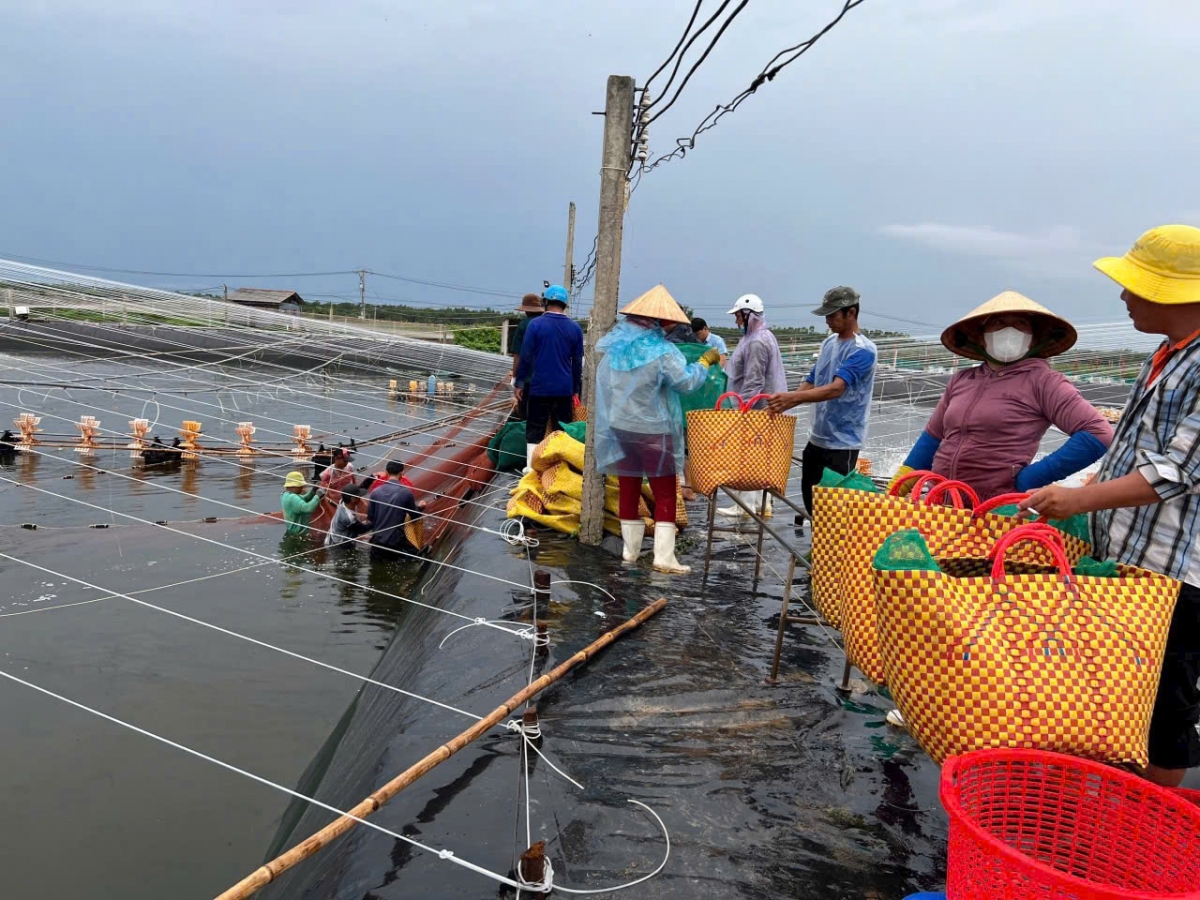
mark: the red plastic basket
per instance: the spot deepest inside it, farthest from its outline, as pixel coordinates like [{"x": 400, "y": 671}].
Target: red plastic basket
[
  {"x": 1028, "y": 824},
  {"x": 1189, "y": 796}
]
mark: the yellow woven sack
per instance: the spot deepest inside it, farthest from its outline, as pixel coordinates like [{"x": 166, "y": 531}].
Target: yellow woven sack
[
  {"x": 561, "y": 503},
  {"x": 742, "y": 449},
  {"x": 1047, "y": 661},
  {"x": 529, "y": 492},
  {"x": 560, "y": 478},
  {"x": 960, "y": 538},
  {"x": 558, "y": 447},
  {"x": 530, "y": 507}
]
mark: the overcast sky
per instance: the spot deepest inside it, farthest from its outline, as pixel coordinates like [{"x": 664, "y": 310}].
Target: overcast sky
[{"x": 931, "y": 153}]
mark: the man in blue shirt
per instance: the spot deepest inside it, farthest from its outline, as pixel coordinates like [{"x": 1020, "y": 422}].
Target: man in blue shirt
[
  {"x": 841, "y": 383},
  {"x": 700, "y": 327},
  {"x": 550, "y": 371},
  {"x": 389, "y": 507}
]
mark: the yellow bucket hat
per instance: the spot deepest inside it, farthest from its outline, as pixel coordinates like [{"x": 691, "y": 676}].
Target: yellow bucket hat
[
  {"x": 1162, "y": 267},
  {"x": 293, "y": 479}
]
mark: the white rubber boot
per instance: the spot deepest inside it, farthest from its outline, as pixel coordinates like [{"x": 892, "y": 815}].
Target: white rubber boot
[
  {"x": 529, "y": 448},
  {"x": 632, "y": 532},
  {"x": 747, "y": 497},
  {"x": 768, "y": 507},
  {"x": 664, "y": 550}
]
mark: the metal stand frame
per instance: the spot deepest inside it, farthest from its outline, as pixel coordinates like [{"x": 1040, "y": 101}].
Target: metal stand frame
[{"x": 794, "y": 557}]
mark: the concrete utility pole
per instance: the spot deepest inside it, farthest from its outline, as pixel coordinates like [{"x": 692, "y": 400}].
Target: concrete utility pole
[
  {"x": 614, "y": 183},
  {"x": 362, "y": 293},
  {"x": 569, "y": 267}
]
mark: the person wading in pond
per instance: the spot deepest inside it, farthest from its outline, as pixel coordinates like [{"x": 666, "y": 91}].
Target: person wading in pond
[
  {"x": 639, "y": 422},
  {"x": 531, "y": 306},
  {"x": 755, "y": 367},
  {"x": 1145, "y": 500},
  {"x": 298, "y": 506},
  {"x": 840, "y": 384},
  {"x": 350, "y": 519},
  {"x": 551, "y": 368},
  {"x": 391, "y": 504},
  {"x": 992, "y": 417},
  {"x": 339, "y": 475}
]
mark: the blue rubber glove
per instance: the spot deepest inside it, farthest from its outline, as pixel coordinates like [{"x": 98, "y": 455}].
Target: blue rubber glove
[
  {"x": 920, "y": 457},
  {"x": 1079, "y": 452}
]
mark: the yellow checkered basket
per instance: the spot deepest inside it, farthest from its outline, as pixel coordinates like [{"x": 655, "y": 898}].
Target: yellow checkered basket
[
  {"x": 959, "y": 537},
  {"x": 742, "y": 449},
  {"x": 1044, "y": 660}
]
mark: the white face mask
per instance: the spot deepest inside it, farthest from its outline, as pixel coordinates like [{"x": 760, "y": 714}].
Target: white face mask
[{"x": 1007, "y": 345}]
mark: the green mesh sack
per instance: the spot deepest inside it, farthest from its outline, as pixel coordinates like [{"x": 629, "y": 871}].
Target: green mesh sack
[
  {"x": 905, "y": 551},
  {"x": 1010, "y": 510},
  {"x": 577, "y": 430},
  {"x": 1076, "y": 526},
  {"x": 852, "y": 482},
  {"x": 507, "y": 449},
  {"x": 1096, "y": 568},
  {"x": 706, "y": 396}
]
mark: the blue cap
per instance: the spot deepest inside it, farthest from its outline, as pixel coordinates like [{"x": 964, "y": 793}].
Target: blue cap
[{"x": 556, "y": 293}]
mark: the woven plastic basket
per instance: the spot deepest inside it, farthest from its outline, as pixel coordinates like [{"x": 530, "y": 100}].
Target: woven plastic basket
[{"x": 1030, "y": 824}]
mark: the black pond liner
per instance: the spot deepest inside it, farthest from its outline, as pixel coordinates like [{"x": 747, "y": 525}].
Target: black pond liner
[{"x": 791, "y": 791}]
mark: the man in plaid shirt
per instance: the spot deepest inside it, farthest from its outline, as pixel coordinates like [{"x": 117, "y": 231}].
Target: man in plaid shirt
[{"x": 1145, "y": 501}]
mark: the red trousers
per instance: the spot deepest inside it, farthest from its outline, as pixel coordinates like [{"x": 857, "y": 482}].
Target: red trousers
[{"x": 631, "y": 491}]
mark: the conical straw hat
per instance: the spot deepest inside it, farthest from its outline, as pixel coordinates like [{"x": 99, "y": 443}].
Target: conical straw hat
[
  {"x": 1052, "y": 334},
  {"x": 657, "y": 303}
]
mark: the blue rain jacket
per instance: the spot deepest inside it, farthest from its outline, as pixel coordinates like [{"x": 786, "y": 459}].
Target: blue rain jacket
[{"x": 638, "y": 381}]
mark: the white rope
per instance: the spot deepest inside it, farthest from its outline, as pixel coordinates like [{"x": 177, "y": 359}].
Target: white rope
[
  {"x": 448, "y": 855},
  {"x": 242, "y": 637},
  {"x": 242, "y": 509},
  {"x": 270, "y": 559}
]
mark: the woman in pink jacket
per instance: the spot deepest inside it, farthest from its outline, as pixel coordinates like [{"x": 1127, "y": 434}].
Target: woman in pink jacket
[{"x": 991, "y": 419}]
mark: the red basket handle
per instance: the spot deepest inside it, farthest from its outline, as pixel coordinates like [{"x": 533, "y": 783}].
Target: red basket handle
[
  {"x": 736, "y": 396},
  {"x": 1038, "y": 533},
  {"x": 749, "y": 404},
  {"x": 926, "y": 478},
  {"x": 987, "y": 506},
  {"x": 918, "y": 475},
  {"x": 960, "y": 489}
]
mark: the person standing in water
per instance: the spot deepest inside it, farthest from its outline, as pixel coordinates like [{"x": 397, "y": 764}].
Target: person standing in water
[{"x": 298, "y": 506}]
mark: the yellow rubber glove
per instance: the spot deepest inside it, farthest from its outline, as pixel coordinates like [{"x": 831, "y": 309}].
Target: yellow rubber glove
[
  {"x": 712, "y": 355},
  {"x": 900, "y": 473}
]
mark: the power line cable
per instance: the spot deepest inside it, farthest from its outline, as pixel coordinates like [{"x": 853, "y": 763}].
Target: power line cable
[
  {"x": 683, "y": 37},
  {"x": 778, "y": 63},
  {"x": 692, "y": 71}
]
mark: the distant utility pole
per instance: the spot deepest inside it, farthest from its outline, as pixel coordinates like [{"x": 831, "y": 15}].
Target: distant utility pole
[
  {"x": 225, "y": 287},
  {"x": 569, "y": 268},
  {"x": 362, "y": 293},
  {"x": 614, "y": 182}
]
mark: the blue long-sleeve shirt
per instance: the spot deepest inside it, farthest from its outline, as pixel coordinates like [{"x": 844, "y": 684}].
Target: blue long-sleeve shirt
[{"x": 552, "y": 357}]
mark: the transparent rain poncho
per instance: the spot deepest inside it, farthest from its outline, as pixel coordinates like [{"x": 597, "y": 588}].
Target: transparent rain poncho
[
  {"x": 637, "y": 414},
  {"x": 756, "y": 366}
]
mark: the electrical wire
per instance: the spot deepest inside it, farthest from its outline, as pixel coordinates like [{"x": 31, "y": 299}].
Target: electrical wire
[{"x": 778, "y": 63}]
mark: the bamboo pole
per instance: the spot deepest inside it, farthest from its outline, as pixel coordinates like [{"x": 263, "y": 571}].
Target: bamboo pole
[{"x": 265, "y": 874}]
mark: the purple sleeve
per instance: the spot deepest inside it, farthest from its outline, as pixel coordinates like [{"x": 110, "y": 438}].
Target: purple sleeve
[{"x": 1067, "y": 409}]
